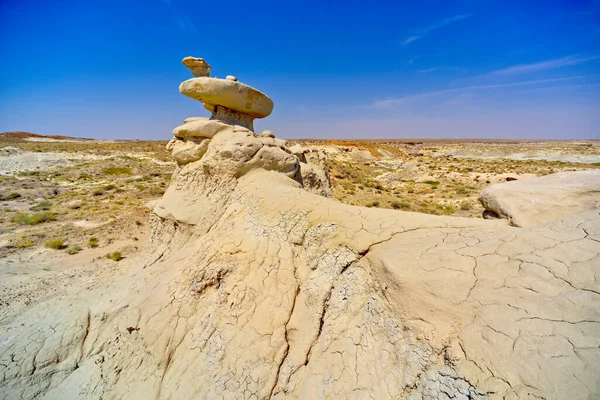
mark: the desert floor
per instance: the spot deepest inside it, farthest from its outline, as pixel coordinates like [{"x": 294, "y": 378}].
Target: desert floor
[{"x": 71, "y": 210}]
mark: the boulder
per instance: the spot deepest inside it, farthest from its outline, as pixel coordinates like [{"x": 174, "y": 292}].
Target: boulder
[
  {"x": 530, "y": 202},
  {"x": 228, "y": 93},
  {"x": 200, "y": 128}
]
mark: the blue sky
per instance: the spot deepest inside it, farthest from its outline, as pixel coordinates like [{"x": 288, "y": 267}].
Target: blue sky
[{"x": 352, "y": 69}]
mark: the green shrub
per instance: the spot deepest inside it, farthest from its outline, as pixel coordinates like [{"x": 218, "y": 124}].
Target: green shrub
[
  {"x": 44, "y": 205},
  {"x": 74, "y": 249},
  {"x": 24, "y": 242},
  {"x": 56, "y": 244},
  {"x": 93, "y": 242},
  {"x": 33, "y": 219},
  {"x": 10, "y": 196},
  {"x": 430, "y": 182},
  {"x": 116, "y": 171},
  {"x": 372, "y": 204},
  {"x": 445, "y": 209},
  {"x": 115, "y": 256},
  {"x": 401, "y": 205},
  {"x": 465, "y": 205},
  {"x": 28, "y": 173}
]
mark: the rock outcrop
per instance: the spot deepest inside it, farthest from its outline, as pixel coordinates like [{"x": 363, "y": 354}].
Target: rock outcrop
[
  {"x": 530, "y": 202},
  {"x": 256, "y": 288}
]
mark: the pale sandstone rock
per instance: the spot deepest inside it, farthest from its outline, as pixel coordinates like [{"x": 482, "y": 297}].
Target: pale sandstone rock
[
  {"x": 314, "y": 174},
  {"x": 529, "y": 202},
  {"x": 200, "y": 128},
  {"x": 228, "y": 100},
  {"x": 267, "y": 134},
  {"x": 198, "y": 66},
  {"x": 192, "y": 119},
  {"x": 232, "y": 117},
  {"x": 233, "y": 95}
]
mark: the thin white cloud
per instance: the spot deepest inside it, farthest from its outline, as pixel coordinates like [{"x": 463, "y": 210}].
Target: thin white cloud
[
  {"x": 544, "y": 65},
  {"x": 428, "y": 29},
  {"x": 411, "y": 39},
  {"x": 183, "y": 22},
  {"x": 390, "y": 103},
  {"x": 562, "y": 87},
  {"x": 433, "y": 69}
]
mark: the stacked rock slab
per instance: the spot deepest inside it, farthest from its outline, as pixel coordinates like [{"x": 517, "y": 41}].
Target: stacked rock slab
[{"x": 227, "y": 99}]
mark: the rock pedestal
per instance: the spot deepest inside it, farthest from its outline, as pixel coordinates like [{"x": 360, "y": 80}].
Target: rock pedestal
[{"x": 227, "y": 99}]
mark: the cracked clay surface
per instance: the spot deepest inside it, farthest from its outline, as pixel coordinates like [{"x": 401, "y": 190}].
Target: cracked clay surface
[{"x": 290, "y": 295}]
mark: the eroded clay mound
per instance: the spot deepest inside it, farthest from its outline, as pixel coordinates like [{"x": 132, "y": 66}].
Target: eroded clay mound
[{"x": 530, "y": 202}]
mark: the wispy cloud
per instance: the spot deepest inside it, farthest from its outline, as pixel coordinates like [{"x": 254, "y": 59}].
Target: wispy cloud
[
  {"x": 434, "y": 69},
  {"x": 390, "y": 103},
  {"x": 562, "y": 87},
  {"x": 411, "y": 39},
  {"x": 184, "y": 23},
  {"x": 430, "y": 28},
  {"x": 544, "y": 65}
]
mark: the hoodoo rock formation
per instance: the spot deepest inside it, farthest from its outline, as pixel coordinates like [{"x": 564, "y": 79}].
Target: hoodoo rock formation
[{"x": 253, "y": 287}]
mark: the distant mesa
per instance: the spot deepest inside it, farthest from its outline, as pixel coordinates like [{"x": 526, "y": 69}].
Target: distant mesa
[{"x": 28, "y": 135}]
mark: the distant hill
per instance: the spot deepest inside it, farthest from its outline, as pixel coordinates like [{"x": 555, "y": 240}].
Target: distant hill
[{"x": 27, "y": 135}]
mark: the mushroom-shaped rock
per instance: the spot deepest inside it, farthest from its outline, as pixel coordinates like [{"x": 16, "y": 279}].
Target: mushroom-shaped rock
[
  {"x": 230, "y": 94},
  {"x": 198, "y": 66}
]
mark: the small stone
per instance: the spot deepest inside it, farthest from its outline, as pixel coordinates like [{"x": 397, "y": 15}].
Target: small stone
[
  {"x": 231, "y": 78},
  {"x": 267, "y": 134},
  {"x": 198, "y": 66}
]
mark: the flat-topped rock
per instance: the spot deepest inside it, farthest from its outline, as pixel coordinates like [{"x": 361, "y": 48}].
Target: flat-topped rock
[
  {"x": 230, "y": 94},
  {"x": 200, "y": 128},
  {"x": 530, "y": 202}
]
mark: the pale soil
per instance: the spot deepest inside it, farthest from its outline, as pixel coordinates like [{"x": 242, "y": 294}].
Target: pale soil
[
  {"x": 442, "y": 177},
  {"x": 89, "y": 189}
]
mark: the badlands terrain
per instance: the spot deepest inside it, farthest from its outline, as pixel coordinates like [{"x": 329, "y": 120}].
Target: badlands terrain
[{"x": 230, "y": 264}]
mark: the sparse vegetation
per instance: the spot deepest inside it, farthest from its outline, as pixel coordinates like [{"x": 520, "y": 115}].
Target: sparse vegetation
[
  {"x": 10, "y": 196},
  {"x": 74, "y": 249},
  {"x": 56, "y": 244},
  {"x": 24, "y": 242},
  {"x": 115, "y": 256},
  {"x": 92, "y": 242},
  {"x": 116, "y": 171},
  {"x": 400, "y": 205},
  {"x": 44, "y": 205},
  {"x": 22, "y": 218}
]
